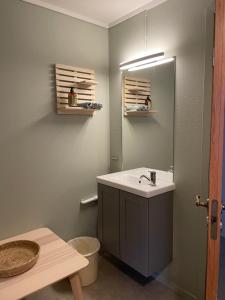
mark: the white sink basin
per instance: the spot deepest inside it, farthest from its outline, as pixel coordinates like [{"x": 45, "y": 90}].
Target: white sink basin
[{"x": 129, "y": 181}]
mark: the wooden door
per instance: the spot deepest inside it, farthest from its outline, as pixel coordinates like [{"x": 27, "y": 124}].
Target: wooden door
[{"x": 216, "y": 159}]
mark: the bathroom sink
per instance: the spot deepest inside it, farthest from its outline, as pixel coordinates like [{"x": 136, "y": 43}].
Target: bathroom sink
[
  {"x": 129, "y": 182},
  {"x": 134, "y": 180}
]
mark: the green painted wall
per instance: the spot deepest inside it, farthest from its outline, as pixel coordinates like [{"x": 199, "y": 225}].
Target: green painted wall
[{"x": 48, "y": 162}]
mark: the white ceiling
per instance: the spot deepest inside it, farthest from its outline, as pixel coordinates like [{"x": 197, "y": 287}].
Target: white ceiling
[{"x": 105, "y": 13}]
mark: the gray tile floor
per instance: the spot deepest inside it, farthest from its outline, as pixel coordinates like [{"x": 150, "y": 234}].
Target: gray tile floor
[{"x": 112, "y": 284}]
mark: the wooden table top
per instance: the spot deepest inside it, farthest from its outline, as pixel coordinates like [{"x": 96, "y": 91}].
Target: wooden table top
[{"x": 57, "y": 261}]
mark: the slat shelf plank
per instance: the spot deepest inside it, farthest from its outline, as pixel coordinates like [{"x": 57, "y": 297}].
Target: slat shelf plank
[
  {"x": 79, "y": 92},
  {"x": 137, "y": 84},
  {"x": 64, "y": 67},
  {"x": 132, "y": 96},
  {"x": 75, "y": 111},
  {"x": 81, "y": 97},
  {"x": 66, "y": 73},
  {"x": 128, "y": 78},
  {"x": 140, "y": 113},
  {"x": 137, "y": 90},
  {"x": 135, "y": 101},
  {"x": 65, "y": 78},
  {"x": 67, "y": 88},
  {"x": 137, "y": 94},
  {"x": 84, "y": 76},
  {"x": 79, "y": 84},
  {"x": 142, "y": 85},
  {"x": 87, "y": 83},
  {"x": 65, "y": 101},
  {"x": 82, "y": 70}
]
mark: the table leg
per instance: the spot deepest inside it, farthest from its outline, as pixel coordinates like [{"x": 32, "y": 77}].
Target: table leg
[{"x": 76, "y": 287}]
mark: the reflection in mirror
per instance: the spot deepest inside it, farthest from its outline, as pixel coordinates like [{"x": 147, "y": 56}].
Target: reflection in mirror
[{"x": 148, "y": 117}]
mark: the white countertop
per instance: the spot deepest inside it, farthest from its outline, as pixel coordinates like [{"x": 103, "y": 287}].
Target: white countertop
[{"x": 129, "y": 181}]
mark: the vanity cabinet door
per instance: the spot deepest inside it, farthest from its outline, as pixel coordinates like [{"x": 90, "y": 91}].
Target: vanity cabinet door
[
  {"x": 160, "y": 232},
  {"x": 108, "y": 218},
  {"x": 134, "y": 231}
]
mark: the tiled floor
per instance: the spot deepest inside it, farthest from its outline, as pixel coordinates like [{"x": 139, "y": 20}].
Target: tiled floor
[{"x": 112, "y": 284}]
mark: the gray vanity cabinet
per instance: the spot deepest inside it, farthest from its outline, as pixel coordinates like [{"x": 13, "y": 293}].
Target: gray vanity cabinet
[
  {"x": 134, "y": 231},
  {"x": 160, "y": 231},
  {"x": 108, "y": 218},
  {"x": 137, "y": 230}
]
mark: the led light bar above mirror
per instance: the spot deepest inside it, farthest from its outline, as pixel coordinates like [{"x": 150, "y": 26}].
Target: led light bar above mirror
[
  {"x": 153, "y": 64},
  {"x": 142, "y": 61}
]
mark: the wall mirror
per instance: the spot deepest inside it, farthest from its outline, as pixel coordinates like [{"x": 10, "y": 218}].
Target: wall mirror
[{"x": 148, "y": 100}]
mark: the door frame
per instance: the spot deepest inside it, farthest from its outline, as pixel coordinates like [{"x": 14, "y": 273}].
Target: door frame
[{"x": 216, "y": 155}]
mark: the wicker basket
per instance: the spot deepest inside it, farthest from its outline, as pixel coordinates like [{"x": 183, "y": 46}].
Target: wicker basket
[{"x": 18, "y": 257}]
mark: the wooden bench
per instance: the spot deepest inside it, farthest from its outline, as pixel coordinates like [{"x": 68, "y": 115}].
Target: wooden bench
[{"x": 57, "y": 261}]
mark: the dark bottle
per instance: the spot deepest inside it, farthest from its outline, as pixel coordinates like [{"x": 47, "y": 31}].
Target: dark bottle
[
  {"x": 72, "y": 97},
  {"x": 148, "y": 102}
]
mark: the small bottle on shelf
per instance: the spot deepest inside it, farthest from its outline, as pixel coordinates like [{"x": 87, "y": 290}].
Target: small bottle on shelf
[
  {"x": 72, "y": 98},
  {"x": 148, "y": 102}
]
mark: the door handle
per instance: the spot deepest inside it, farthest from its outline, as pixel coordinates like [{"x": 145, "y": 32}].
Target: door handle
[
  {"x": 205, "y": 204},
  {"x": 199, "y": 203},
  {"x": 214, "y": 214},
  {"x": 213, "y": 220}
]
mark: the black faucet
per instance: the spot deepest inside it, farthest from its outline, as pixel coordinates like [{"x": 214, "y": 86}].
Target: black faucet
[{"x": 151, "y": 178}]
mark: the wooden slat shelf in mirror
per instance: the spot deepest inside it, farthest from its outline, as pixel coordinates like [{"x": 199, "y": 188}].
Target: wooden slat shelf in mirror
[
  {"x": 135, "y": 91},
  {"x": 83, "y": 80},
  {"x": 140, "y": 113}
]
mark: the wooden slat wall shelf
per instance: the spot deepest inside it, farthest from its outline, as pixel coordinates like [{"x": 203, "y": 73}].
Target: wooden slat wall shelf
[
  {"x": 76, "y": 111},
  {"x": 83, "y": 80},
  {"x": 135, "y": 91}
]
